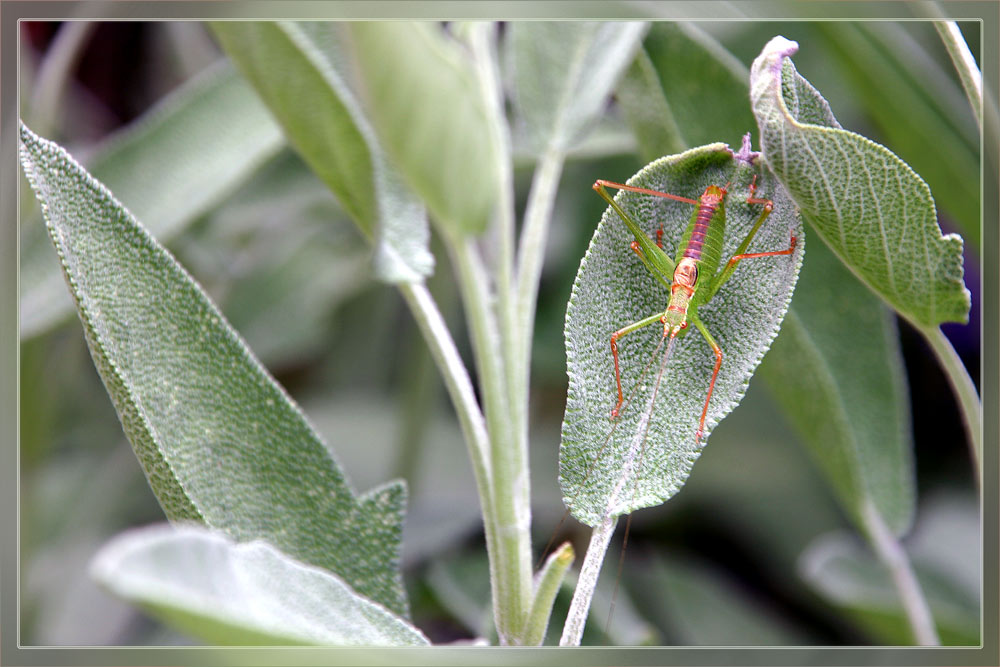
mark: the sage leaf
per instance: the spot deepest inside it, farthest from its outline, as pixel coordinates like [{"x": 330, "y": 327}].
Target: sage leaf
[
  {"x": 295, "y": 75},
  {"x": 174, "y": 164},
  {"x": 911, "y": 98},
  {"x": 445, "y": 151},
  {"x": 610, "y": 468},
  {"x": 563, "y": 73},
  {"x": 837, "y": 371},
  {"x": 869, "y": 206},
  {"x": 219, "y": 440},
  {"x": 204, "y": 583}
]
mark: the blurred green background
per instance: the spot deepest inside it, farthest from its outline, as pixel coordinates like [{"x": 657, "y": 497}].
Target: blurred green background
[{"x": 742, "y": 562}]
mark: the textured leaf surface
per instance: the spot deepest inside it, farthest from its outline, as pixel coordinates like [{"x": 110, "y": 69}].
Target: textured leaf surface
[
  {"x": 837, "y": 371},
  {"x": 869, "y": 206},
  {"x": 218, "y": 438},
  {"x": 175, "y": 163},
  {"x": 293, "y": 71},
  {"x": 613, "y": 289},
  {"x": 913, "y": 102},
  {"x": 431, "y": 117},
  {"x": 564, "y": 72},
  {"x": 227, "y": 593}
]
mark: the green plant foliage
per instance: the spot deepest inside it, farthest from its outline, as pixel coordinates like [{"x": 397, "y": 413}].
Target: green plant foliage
[
  {"x": 837, "y": 371},
  {"x": 563, "y": 72},
  {"x": 600, "y": 468},
  {"x": 311, "y": 100},
  {"x": 174, "y": 164},
  {"x": 220, "y": 441},
  {"x": 684, "y": 89},
  {"x": 911, "y": 99},
  {"x": 230, "y": 593},
  {"x": 872, "y": 209},
  {"x": 945, "y": 551},
  {"x": 407, "y": 70}
]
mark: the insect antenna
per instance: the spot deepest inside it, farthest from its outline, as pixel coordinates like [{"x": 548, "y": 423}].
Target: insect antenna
[{"x": 642, "y": 453}]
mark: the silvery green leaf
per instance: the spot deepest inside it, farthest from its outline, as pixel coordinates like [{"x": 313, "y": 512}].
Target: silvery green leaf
[
  {"x": 611, "y": 468},
  {"x": 202, "y": 582},
  {"x": 219, "y": 440},
  {"x": 875, "y": 212}
]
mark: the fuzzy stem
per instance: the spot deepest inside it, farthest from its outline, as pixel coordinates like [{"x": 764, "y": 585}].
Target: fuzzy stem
[
  {"x": 590, "y": 571},
  {"x": 891, "y": 553},
  {"x": 965, "y": 65},
  {"x": 965, "y": 392}
]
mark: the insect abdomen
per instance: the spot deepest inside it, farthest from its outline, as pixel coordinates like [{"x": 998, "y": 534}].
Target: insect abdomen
[{"x": 702, "y": 240}]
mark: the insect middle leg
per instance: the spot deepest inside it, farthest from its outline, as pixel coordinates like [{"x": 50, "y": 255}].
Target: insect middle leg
[{"x": 635, "y": 326}]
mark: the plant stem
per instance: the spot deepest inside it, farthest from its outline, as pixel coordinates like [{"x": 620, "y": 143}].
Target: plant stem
[
  {"x": 510, "y": 563},
  {"x": 515, "y": 447},
  {"x": 965, "y": 65},
  {"x": 965, "y": 392},
  {"x": 459, "y": 386},
  {"x": 590, "y": 571},
  {"x": 456, "y": 380},
  {"x": 891, "y": 553}
]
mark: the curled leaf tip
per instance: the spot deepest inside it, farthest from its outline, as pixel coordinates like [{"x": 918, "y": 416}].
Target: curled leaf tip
[{"x": 780, "y": 48}]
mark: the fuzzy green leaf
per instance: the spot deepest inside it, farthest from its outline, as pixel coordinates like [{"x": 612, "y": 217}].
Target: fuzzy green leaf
[
  {"x": 431, "y": 116},
  {"x": 293, "y": 71},
  {"x": 219, "y": 440},
  {"x": 869, "y": 206},
  {"x": 847, "y": 400},
  {"x": 564, "y": 72},
  {"x": 910, "y": 99},
  {"x": 601, "y": 472},
  {"x": 172, "y": 165},
  {"x": 203, "y": 583}
]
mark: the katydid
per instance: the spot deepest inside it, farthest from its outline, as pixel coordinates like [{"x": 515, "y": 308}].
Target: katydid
[{"x": 693, "y": 277}]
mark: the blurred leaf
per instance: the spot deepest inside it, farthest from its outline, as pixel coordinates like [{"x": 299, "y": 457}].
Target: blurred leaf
[
  {"x": 837, "y": 371},
  {"x": 917, "y": 107},
  {"x": 169, "y": 167},
  {"x": 220, "y": 441},
  {"x": 945, "y": 555},
  {"x": 700, "y": 606},
  {"x": 202, "y": 582},
  {"x": 321, "y": 117},
  {"x": 684, "y": 89},
  {"x": 613, "y": 289},
  {"x": 564, "y": 72},
  {"x": 872, "y": 209},
  {"x": 431, "y": 116},
  {"x": 280, "y": 250},
  {"x": 442, "y": 504}
]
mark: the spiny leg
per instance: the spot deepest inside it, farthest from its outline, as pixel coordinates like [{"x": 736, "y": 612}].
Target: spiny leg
[
  {"x": 715, "y": 373},
  {"x": 645, "y": 322}
]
